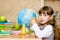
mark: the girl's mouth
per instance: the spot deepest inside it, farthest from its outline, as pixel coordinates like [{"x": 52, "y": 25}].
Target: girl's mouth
[{"x": 41, "y": 20}]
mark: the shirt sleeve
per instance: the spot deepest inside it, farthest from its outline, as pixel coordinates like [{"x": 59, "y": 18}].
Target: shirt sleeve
[{"x": 46, "y": 32}]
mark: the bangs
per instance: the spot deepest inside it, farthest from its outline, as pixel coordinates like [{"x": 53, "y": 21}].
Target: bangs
[{"x": 46, "y": 10}]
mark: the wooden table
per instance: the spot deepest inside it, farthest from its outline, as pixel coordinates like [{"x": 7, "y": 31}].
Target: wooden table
[{"x": 19, "y": 37}]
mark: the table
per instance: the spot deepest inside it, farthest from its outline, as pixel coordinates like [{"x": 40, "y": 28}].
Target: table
[{"x": 19, "y": 37}]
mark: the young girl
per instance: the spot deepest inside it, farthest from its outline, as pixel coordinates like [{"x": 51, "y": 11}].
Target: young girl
[{"x": 44, "y": 29}]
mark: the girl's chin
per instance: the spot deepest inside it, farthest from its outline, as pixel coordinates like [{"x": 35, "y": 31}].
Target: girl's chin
[{"x": 42, "y": 23}]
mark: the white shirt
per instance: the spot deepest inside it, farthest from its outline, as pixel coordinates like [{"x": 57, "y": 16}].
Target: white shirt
[{"x": 46, "y": 32}]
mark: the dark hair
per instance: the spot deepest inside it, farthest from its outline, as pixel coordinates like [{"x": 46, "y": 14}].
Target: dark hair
[{"x": 48, "y": 10}]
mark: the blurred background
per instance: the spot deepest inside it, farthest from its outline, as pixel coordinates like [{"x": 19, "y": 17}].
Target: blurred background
[{"x": 11, "y": 8}]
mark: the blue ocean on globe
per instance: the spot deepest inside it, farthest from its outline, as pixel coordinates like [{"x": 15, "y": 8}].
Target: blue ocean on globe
[{"x": 25, "y": 15}]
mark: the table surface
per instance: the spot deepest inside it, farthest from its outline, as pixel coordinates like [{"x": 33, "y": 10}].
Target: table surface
[{"x": 19, "y": 37}]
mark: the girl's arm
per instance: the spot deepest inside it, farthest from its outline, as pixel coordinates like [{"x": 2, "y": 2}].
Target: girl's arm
[{"x": 46, "y": 32}]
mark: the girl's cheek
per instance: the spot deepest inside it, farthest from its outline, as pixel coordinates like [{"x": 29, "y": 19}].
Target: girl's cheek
[
  {"x": 39, "y": 19},
  {"x": 46, "y": 19}
]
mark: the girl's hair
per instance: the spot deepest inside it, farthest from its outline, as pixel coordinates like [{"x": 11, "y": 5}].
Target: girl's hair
[
  {"x": 47, "y": 10},
  {"x": 50, "y": 12}
]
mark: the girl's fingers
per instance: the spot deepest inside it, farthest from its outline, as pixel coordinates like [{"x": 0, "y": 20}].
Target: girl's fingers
[{"x": 33, "y": 21}]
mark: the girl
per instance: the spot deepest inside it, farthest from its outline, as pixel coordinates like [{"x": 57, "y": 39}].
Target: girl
[{"x": 44, "y": 28}]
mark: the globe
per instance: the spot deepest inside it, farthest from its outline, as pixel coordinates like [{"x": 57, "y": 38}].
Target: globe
[{"x": 25, "y": 15}]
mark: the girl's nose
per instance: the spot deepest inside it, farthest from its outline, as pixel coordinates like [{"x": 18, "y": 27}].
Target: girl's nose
[{"x": 42, "y": 16}]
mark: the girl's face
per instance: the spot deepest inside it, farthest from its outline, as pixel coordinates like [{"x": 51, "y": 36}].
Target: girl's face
[{"x": 43, "y": 18}]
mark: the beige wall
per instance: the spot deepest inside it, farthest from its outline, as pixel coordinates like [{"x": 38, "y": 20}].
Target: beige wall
[
  {"x": 10, "y": 8},
  {"x": 55, "y": 5}
]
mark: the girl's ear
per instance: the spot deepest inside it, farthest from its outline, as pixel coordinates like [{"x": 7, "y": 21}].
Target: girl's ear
[{"x": 52, "y": 16}]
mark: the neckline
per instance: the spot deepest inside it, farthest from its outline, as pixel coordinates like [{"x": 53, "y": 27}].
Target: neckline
[{"x": 41, "y": 27}]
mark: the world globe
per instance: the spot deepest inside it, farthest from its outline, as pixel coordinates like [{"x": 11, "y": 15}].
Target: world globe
[{"x": 25, "y": 15}]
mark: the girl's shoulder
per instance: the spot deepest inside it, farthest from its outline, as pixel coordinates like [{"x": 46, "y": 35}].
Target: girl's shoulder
[{"x": 49, "y": 27}]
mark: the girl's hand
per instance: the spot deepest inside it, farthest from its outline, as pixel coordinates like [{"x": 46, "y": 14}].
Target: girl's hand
[{"x": 33, "y": 20}]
